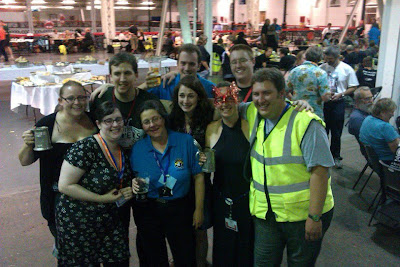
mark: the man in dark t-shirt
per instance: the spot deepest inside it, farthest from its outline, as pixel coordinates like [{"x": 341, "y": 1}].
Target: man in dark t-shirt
[
  {"x": 123, "y": 71},
  {"x": 366, "y": 75}
]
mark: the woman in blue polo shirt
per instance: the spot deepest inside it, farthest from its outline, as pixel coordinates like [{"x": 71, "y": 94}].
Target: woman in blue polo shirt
[{"x": 169, "y": 160}]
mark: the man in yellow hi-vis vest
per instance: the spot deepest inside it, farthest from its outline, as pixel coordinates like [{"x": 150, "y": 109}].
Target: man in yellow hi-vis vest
[{"x": 290, "y": 192}]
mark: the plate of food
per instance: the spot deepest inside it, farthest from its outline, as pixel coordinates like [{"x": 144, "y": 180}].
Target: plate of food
[{"x": 21, "y": 62}]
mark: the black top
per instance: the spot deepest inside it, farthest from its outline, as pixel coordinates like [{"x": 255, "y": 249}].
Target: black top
[
  {"x": 351, "y": 59},
  {"x": 50, "y": 166},
  {"x": 243, "y": 92},
  {"x": 205, "y": 56},
  {"x": 218, "y": 49},
  {"x": 133, "y": 29},
  {"x": 366, "y": 77},
  {"x": 230, "y": 154},
  {"x": 226, "y": 66},
  {"x": 260, "y": 60}
]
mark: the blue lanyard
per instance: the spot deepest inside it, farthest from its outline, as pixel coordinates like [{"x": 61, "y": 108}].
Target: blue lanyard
[{"x": 163, "y": 170}]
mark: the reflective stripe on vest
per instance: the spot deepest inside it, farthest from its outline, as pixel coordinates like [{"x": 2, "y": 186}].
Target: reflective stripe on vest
[
  {"x": 282, "y": 189},
  {"x": 286, "y": 157}
]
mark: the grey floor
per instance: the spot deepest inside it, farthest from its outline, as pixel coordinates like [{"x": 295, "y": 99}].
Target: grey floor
[{"x": 26, "y": 241}]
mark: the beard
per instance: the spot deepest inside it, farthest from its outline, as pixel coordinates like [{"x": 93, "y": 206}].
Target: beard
[{"x": 365, "y": 107}]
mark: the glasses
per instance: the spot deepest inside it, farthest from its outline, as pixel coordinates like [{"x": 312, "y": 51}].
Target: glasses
[
  {"x": 110, "y": 121},
  {"x": 239, "y": 61},
  {"x": 71, "y": 99},
  {"x": 153, "y": 120}
]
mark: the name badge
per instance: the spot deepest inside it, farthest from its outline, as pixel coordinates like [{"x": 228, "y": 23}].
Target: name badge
[{"x": 231, "y": 225}]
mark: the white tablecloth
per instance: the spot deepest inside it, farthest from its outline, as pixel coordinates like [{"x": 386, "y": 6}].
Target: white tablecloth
[
  {"x": 44, "y": 98},
  {"x": 11, "y": 73}
]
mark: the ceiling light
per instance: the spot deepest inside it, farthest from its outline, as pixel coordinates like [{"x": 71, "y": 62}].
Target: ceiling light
[
  {"x": 36, "y": 2},
  {"x": 8, "y": 2},
  {"x": 68, "y": 2},
  {"x": 122, "y": 2},
  {"x": 95, "y": 7},
  {"x": 147, "y": 3}
]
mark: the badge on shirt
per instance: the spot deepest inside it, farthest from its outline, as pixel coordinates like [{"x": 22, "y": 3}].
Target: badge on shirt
[
  {"x": 231, "y": 225},
  {"x": 166, "y": 190}
]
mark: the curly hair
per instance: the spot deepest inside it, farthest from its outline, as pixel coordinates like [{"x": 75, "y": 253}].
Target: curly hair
[{"x": 203, "y": 112}]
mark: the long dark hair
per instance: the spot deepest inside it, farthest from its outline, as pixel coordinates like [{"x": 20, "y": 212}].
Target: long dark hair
[{"x": 202, "y": 114}]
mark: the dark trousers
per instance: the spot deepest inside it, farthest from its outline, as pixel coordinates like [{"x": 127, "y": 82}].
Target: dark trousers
[
  {"x": 2, "y": 49},
  {"x": 334, "y": 119},
  {"x": 155, "y": 222},
  {"x": 272, "y": 237}
]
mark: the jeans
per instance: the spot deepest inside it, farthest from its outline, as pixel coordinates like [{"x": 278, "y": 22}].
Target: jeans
[
  {"x": 334, "y": 119},
  {"x": 272, "y": 237}
]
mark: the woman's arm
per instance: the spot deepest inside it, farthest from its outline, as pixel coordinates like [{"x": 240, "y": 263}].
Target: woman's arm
[
  {"x": 198, "y": 215},
  {"x": 25, "y": 155},
  {"x": 68, "y": 184}
]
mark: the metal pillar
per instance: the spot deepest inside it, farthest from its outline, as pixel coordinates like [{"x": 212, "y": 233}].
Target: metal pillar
[
  {"x": 284, "y": 11},
  {"x": 170, "y": 15},
  {"x": 194, "y": 20},
  {"x": 149, "y": 17},
  {"x": 30, "y": 16},
  {"x": 184, "y": 20},
  {"x": 346, "y": 26},
  {"x": 208, "y": 27},
  {"x": 363, "y": 10},
  {"x": 162, "y": 27},
  {"x": 381, "y": 8},
  {"x": 93, "y": 16}
]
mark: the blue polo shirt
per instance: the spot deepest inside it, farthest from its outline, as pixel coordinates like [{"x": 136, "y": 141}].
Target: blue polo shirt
[
  {"x": 167, "y": 92},
  {"x": 181, "y": 155}
]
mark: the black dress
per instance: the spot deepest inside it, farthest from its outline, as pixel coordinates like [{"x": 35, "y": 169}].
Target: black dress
[{"x": 232, "y": 248}]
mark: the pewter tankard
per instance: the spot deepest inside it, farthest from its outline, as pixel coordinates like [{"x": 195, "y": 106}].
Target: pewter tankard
[{"x": 42, "y": 139}]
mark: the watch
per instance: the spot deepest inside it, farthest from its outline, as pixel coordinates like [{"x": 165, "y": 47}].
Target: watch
[
  {"x": 315, "y": 218},
  {"x": 342, "y": 94}
]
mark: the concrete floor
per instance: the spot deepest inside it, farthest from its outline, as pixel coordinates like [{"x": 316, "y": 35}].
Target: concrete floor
[{"x": 26, "y": 241}]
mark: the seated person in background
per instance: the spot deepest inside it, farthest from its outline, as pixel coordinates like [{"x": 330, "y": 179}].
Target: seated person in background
[
  {"x": 287, "y": 60},
  {"x": 240, "y": 39},
  {"x": 351, "y": 58},
  {"x": 363, "y": 103},
  {"x": 365, "y": 74},
  {"x": 377, "y": 132},
  {"x": 263, "y": 60},
  {"x": 327, "y": 40},
  {"x": 87, "y": 41}
]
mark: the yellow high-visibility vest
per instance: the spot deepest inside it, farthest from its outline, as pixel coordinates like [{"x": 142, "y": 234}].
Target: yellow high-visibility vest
[
  {"x": 216, "y": 62},
  {"x": 280, "y": 156}
]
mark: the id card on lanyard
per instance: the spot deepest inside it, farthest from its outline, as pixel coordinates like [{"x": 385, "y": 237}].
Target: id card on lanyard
[
  {"x": 165, "y": 179},
  {"x": 120, "y": 168}
]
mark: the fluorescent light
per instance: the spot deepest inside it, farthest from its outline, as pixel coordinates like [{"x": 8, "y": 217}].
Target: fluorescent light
[
  {"x": 122, "y": 2},
  {"x": 8, "y": 2},
  {"x": 147, "y": 3},
  {"x": 145, "y": 8},
  {"x": 68, "y": 2},
  {"x": 36, "y": 2}
]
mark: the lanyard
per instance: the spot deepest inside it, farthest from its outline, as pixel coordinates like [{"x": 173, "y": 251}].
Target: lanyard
[
  {"x": 130, "y": 110},
  {"x": 164, "y": 171},
  {"x": 248, "y": 95},
  {"x": 120, "y": 169}
]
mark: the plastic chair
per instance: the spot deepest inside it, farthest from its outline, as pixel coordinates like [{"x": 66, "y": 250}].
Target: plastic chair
[
  {"x": 391, "y": 185},
  {"x": 377, "y": 167}
]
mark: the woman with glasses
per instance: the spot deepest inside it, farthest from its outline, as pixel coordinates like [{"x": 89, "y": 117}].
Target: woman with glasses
[
  {"x": 168, "y": 159},
  {"x": 95, "y": 182},
  {"x": 191, "y": 113},
  {"x": 67, "y": 126},
  {"x": 233, "y": 227}
]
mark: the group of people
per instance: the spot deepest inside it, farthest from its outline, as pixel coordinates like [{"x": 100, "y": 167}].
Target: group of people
[
  {"x": 90, "y": 175},
  {"x": 78, "y": 41}
]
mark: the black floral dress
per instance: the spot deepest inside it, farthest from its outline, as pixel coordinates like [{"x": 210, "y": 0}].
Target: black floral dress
[{"x": 92, "y": 233}]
